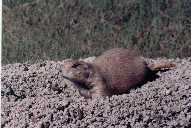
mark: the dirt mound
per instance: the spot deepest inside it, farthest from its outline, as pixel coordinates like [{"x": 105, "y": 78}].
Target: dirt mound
[{"x": 37, "y": 96}]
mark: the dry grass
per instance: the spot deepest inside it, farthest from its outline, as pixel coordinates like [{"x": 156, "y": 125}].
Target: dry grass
[{"x": 53, "y": 30}]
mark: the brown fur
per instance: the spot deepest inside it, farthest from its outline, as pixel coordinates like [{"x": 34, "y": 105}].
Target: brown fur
[{"x": 114, "y": 72}]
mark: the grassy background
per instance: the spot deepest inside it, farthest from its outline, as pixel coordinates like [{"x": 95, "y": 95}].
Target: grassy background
[{"x": 58, "y": 29}]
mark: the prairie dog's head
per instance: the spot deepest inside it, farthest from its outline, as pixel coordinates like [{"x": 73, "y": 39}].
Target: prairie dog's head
[{"x": 78, "y": 71}]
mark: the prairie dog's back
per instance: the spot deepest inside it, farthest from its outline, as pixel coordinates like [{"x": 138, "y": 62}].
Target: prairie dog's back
[{"x": 121, "y": 69}]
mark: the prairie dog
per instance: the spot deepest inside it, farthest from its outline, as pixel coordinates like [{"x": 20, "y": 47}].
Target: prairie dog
[{"x": 114, "y": 72}]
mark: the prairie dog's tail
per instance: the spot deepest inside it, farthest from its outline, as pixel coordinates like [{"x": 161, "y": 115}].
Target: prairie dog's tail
[{"x": 162, "y": 66}]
